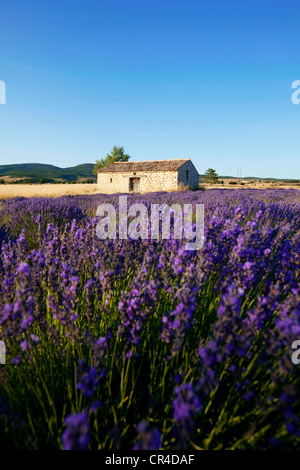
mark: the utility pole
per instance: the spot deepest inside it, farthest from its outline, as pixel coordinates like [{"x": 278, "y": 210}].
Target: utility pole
[{"x": 239, "y": 173}]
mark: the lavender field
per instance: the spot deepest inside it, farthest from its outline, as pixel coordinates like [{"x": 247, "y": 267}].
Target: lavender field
[{"x": 141, "y": 344}]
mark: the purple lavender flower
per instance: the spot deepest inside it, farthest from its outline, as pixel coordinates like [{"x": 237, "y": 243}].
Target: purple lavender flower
[
  {"x": 77, "y": 434},
  {"x": 149, "y": 439},
  {"x": 87, "y": 378},
  {"x": 186, "y": 406}
]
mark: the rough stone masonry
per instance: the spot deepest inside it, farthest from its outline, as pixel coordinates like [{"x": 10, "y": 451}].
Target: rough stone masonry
[{"x": 147, "y": 176}]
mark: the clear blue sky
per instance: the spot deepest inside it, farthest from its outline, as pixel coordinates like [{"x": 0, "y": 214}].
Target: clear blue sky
[{"x": 207, "y": 80}]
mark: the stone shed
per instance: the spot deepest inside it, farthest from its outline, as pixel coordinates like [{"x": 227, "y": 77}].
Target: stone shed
[{"x": 143, "y": 177}]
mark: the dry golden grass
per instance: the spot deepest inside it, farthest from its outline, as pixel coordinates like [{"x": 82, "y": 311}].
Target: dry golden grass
[
  {"x": 181, "y": 187},
  {"x": 251, "y": 186},
  {"x": 45, "y": 190},
  {"x": 8, "y": 191}
]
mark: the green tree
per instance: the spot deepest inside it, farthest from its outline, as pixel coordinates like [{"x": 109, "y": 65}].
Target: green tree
[
  {"x": 116, "y": 155},
  {"x": 211, "y": 176}
]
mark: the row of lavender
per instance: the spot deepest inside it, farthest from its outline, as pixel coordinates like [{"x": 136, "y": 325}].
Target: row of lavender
[{"x": 142, "y": 344}]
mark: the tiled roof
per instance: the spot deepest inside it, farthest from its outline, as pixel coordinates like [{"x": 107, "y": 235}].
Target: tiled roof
[{"x": 154, "y": 165}]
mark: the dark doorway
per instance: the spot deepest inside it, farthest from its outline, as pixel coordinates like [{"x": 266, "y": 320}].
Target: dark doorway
[{"x": 134, "y": 184}]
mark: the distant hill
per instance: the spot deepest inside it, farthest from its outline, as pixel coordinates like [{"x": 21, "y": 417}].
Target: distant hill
[
  {"x": 254, "y": 178},
  {"x": 43, "y": 173},
  {"x": 35, "y": 172}
]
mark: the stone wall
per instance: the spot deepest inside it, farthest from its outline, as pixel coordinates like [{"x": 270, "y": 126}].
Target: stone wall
[
  {"x": 109, "y": 183},
  {"x": 192, "y": 179},
  {"x": 150, "y": 181}
]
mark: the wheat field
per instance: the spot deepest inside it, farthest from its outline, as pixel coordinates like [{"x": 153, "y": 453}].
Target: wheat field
[
  {"x": 8, "y": 191},
  {"x": 45, "y": 190}
]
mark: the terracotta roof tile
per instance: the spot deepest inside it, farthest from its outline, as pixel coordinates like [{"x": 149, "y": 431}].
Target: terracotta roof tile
[{"x": 154, "y": 165}]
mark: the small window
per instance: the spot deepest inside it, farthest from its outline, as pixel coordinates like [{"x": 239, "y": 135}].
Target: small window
[
  {"x": 110, "y": 180},
  {"x": 187, "y": 176}
]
